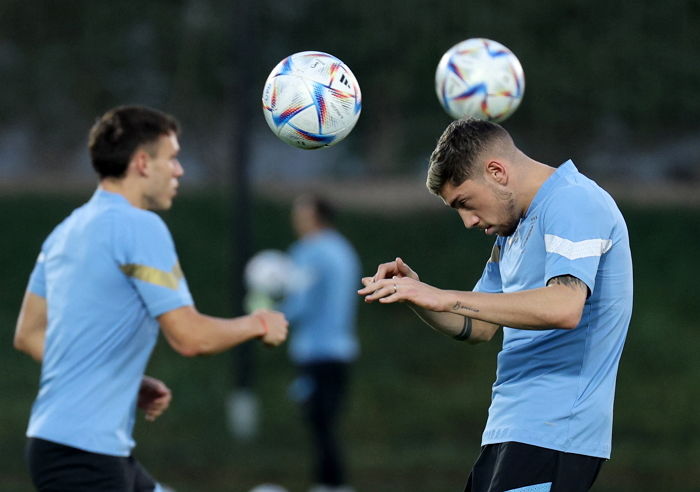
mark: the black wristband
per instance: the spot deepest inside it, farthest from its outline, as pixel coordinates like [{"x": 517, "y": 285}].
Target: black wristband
[{"x": 466, "y": 330}]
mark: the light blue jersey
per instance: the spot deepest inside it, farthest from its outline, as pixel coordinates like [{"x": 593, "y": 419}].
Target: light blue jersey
[
  {"x": 322, "y": 314},
  {"x": 106, "y": 272},
  {"x": 555, "y": 388}
]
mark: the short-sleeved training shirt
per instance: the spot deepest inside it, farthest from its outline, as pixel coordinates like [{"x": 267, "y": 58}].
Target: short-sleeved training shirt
[
  {"x": 323, "y": 313},
  {"x": 555, "y": 388},
  {"x": 107, "y": 271}
]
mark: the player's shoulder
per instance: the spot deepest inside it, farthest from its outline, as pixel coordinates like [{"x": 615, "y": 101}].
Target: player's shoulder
[
  {"x": 574, "y": 191},
  {"x": 569, "y": 180},
  {"x": 332, "y": 243},
  {"x": 137, "y": 219},
  {"x": 131, "y": 227},
  {"x": 67, "y": 224},
  {"x": 577, "y": 202}
]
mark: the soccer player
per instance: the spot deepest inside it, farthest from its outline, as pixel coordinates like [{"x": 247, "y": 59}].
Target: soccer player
[
  {"x": 106, "y": 279},
  {"x": 559, "y": 285},
  {"x": 323, "y": 342}
]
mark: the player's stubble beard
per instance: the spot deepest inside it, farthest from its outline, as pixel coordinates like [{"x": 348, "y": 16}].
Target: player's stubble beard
[{"x": 511, "y": 216}]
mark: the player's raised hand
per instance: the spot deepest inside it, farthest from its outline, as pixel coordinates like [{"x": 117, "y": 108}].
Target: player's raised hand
[
  {"x": 405, "y": 289},
  {"x": 275, "y": 326},
  {"x": 391, "y": 269}
]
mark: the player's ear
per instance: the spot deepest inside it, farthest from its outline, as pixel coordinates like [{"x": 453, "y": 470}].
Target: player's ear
[
  {"x": 497, "y": 171},
  {"x": 139, "y": 162}
]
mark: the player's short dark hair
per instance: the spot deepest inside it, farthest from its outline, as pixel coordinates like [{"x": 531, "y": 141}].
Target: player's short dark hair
[
  {"x": 324, "y": 209},
  {"x": 117, "y": 134},
  {"x": 454, "y": 157}
]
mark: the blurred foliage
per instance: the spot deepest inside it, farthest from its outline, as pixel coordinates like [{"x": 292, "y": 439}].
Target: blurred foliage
[
  {"x": 595, "y": 69},
  {"x": 419, "y": 400}
]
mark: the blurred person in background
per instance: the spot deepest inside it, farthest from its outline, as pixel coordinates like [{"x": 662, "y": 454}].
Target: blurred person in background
[
  {"x": 106, "y": 279},
  {"x": 559, "y": 285},
  {"x": 323, "y": 342}
]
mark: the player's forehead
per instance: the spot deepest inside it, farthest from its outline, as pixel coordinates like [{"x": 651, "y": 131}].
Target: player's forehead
[
  {"x": 169, "y": 143},
  {"x": 451, "y": 193},
  {"x": 166, "y": 145}
]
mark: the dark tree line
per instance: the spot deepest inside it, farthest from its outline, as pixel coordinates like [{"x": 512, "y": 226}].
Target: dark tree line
[{"x": 594, "y": 69}]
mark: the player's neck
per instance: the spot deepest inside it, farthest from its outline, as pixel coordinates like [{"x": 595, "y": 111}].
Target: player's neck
[
  {"x": 315, "y": 230},
  {"x": 537, "y": 174},
  {"x": 125, "y": 189}
]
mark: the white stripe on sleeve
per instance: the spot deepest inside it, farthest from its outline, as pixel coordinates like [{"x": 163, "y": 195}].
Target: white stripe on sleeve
[{"x": 573, "y": 250}]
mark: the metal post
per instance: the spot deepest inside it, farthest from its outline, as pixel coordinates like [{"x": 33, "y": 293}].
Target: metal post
[{"x": 242, "y": 403}]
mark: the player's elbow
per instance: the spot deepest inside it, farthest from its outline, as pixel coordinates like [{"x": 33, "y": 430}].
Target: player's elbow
[
  {"x": 564, "y": 306},
  {"x": 566, "y": 319},
  {"x": 28, "y": 345},
  {"x": 186, "y": 349},
  {"x": 181, "y": 328},
  {"x": 20, "y": 343},
  {"x": 190, "y": 346},
  {"x": 569, "y": 323},
  {"x": 482, "y": 332}
]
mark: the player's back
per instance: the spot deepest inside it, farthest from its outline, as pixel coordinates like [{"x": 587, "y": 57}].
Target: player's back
[{"x": 99, "y": 334}]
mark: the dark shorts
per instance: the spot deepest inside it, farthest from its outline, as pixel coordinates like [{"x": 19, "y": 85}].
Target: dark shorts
[
  {"x": 513, "y": 466},
  {"x": 58, "y": 468}
]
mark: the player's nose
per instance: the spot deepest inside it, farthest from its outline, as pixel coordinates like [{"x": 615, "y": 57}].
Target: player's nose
[
  {"x": 178, "y": 170},
  {"x": 469, "y": 219}
]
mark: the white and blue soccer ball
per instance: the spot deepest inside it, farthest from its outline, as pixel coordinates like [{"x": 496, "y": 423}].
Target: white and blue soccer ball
[
  {"x": 311, "y": 100},
  {"x": 269, "y": 272},
  {"x": 273, "y": 273},
  {"x": 480, "y": 78}
]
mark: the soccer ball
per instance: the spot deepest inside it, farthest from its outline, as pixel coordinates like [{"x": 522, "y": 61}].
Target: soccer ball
[
  {"x": 269, "y": 272},
  {"x": 311, "y": 100},
  {"x": 480, "y": 78},
  {"x": 273, "y": 273}
]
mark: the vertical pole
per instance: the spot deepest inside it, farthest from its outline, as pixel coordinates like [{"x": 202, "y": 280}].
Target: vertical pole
[{"x": 242, "y": 403}]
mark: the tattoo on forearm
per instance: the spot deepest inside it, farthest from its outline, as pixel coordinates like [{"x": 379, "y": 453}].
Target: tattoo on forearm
[
  {"x": 568, "y": 281},
  {"x": 461, "y": 307}
]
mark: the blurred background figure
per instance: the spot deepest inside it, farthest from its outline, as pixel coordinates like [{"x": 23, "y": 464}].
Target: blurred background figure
[
  {"x": 268, "y": 276},
  {"x": 323, "y": 342}
]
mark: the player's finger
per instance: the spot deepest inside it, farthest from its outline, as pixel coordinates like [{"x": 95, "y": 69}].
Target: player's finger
[
  {"x": 153, "y": 415},
  {"x": 385, "y": 270},
  {"x": 393, "y": 295},
  {"x": 378, "y": 290},
  {"x": 165, "y": 399},
  {"x": 405, "y": 270},
  {"x": 276, "y": 339},
  {"x": 153, "y": 412},
  {"x": 370, "y": 287}
]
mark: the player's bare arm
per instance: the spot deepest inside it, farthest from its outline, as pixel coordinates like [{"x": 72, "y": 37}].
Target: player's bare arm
[
  {"x": 558, "y": 305},
  {"x": 31, "y": 326},
  {"x": 191, "y": 333},
  {"x": 459, "y": 327},
  {"x": 454, "y": 325},
  {"x": 570, "y": 281}
]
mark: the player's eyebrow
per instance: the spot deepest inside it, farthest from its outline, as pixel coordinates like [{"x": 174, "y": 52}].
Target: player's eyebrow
[{"x": 455, "y": 201}]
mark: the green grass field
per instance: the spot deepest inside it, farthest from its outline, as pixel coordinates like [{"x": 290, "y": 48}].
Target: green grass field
[{"x": 419, "y": 400}]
